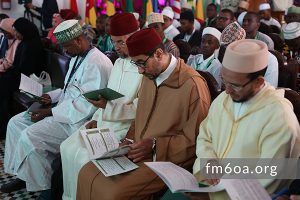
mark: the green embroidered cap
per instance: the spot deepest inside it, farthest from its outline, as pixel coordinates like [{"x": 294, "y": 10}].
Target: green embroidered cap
[
  {"x": 294, "y": 9},
  {"x": 67, "y": 30}
]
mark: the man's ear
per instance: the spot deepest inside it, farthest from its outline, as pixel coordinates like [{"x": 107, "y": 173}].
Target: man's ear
[
  {"x": 260, "y": 81},
  {"x": 158, "y": 54}
]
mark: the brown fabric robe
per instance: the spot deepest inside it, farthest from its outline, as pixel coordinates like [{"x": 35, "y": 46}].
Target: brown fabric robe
[{"x": 171, "y": 113}]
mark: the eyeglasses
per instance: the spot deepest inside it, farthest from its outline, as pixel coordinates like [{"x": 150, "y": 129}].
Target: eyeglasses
[
  {"x": 119, "y": 43},
  {"x": 236, "y": 88},
  {"x": 141, "y": 64}
]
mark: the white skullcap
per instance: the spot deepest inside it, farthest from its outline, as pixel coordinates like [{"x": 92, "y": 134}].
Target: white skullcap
[
  {"x": 136, "y": 15},
  {"x": 291, "y": 30},
  {"x": 155, "y": 18},
  {"x": 212, "y": 31},
  {"x": 67, "y": 30},
  {"x": 264, "y": 6},
  {"x": 246, "y": 56},
  {"x": 167, "y": 11},
  {"x": 240, "y": 18}
]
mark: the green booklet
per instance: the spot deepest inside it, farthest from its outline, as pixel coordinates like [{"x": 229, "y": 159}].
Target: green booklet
[{"x": 106, "y": 93}]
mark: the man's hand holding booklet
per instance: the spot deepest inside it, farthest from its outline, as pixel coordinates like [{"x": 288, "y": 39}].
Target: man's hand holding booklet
[
  {"x": 105, "y": 152},
  {"x": 105, "y": 93}
]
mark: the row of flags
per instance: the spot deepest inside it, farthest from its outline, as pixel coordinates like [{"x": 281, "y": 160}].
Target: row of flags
[{"x": 149, "y": 6}]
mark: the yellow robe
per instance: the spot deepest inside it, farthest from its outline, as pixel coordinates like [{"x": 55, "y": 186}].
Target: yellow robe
[{"x": 268, "y": 128}]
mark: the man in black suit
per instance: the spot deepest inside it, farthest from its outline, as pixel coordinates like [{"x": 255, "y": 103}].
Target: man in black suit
[{"x": 189, "y": 33}]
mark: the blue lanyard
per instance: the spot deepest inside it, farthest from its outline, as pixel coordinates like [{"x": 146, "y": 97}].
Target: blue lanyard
[{"x": 75, "y": 67}]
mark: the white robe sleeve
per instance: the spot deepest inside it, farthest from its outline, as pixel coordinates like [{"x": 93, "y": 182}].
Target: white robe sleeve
[
  {"x": 55, "y": 94},
  {"x": 75, "y": 108},
  {"x": 271, "y": 75}
]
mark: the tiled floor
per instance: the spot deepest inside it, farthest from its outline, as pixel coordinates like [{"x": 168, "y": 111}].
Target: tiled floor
[{"x": 4, "y": 178}]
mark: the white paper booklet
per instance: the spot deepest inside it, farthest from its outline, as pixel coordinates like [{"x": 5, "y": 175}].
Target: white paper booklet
[
  {"x": 178, "y": 179},
  {"x": 30, "y": 86},
  {"x": 245, "y": 189},
  {"x": 104, "y": 151}
]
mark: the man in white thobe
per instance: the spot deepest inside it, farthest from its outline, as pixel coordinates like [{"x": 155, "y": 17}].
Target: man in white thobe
[
  {"x": 169, "y": 29},
  {"x": 32, "y": 144},
  {"x": 208, "y": 61},
  {"x": 116, "y": 115},
  {"x": 265, "y": 13}
]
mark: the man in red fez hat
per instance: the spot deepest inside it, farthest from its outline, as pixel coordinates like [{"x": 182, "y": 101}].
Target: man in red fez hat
[
  {"x": 117, "y": 114},
  {"x": 173, "y": 100}
]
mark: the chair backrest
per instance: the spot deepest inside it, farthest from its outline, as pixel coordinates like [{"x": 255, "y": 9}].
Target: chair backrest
[
  {"x": 57, "y": 67},
  {"x": 211, "y": 83},
  {"x": 288, "y": 75},
  {"x": 294, "y": 98},
  {"x": 113, "y": 56}
]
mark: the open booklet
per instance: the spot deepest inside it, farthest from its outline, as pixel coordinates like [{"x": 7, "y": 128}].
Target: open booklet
[
  {"x": 106, "y": 93},
  {"x": 179, "y": 179},
  {"x": 31, "y": 87},
  {"x": 105, "y": 152}
]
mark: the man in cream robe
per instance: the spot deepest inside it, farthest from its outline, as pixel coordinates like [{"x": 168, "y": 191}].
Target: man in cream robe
[
  {"x": 31, "y": 147},
  {"x": 173, "y": 100},
  {"x": 250, "y": 119},
  {"x": 116, "y": 115}
]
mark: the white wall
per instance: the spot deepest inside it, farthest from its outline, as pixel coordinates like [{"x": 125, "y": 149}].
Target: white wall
[{"x": 17, "y": 10}]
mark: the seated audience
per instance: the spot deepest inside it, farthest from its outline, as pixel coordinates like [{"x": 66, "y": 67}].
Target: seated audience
[
  {"x": 117, "y": 114},
  {"x": 212, "y": 13},
  {"x": 243, "y": 7},
  {"x": 227, "y": 132},
  {"x": 156, "y": 21},
  {"x": 187, "y": 7},
  {"x": 56, "y": 20},
  {"x": 265, "y": 13},
  {"x": 33, "y": 140},
  {"x": 251, "y": 24},
  {"x": 3, "y": 40},
  {"x": 224, "y": 18},
  {"x": 189, "y": 34},
  {"x": 168, "y": 87},
  {"x": 104, "y": 41},
  {"x": 207, "y": 60},
  {"x": 170, "y": 30},
  {"x": 293, "y": 14},
  {"x": 29, "y": 58},
  {"x": 291, "y": 34},
  {"x": 7, "y": 29}
]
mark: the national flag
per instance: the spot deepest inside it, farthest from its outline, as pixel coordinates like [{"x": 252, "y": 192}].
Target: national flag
[
  {"x": 90, "y": 13},
  {"x": 129, "y": 6},
  {"x": 73, "y": 6},
  {"x": 148, "y": 8},
  {"x": 110, "y": 8},
  {"x": 176, "y": 8},
  {"x": 199, "y": 14},
  {"x": 218, "y": 4},
  {"x": 155, "y": 6}
]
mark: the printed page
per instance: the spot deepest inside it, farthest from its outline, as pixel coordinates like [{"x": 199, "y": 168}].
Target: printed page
[
  {"x": 121, "y": 151},
  {"x": 245, "y": 189},
  {"x": 30, "y": 86},
  {"x": 114, "y": 166},
  {"x": 178, "y": 179},
  {"x": 99, "y": 141}
]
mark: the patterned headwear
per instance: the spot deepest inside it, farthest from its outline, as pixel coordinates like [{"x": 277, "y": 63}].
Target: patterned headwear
[
  {"x": 68, "y": 30},
  {"x": 155, "y": 18},
  {"x": 232, "y": 32}
]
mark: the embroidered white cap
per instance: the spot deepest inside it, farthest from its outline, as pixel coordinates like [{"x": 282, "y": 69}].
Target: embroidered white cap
[
  {"x": 264, "y": 6},
  {"x": 246, "y": 56},
  {"x": 68, "y": 30},
  {"x": 212, "y": 31},
  {"x": 155, "y": 18},
  {"x": 291, "y": 30}
]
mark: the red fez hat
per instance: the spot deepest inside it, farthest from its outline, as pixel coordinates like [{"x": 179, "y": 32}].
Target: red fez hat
[
  {"x": 143, "y": 42},
  {"x": 123, "y": 24}
]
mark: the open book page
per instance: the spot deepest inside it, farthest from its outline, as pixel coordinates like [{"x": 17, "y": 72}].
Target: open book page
[
  {"x": 178, "y": 179},
  {"x": 121, "y": 151},
  {"x": 245, "y": 189},
  {"x": 30, "y": 86},
  {"x": 114, "y": 166},
  {"x": 99, "y": 141}
]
